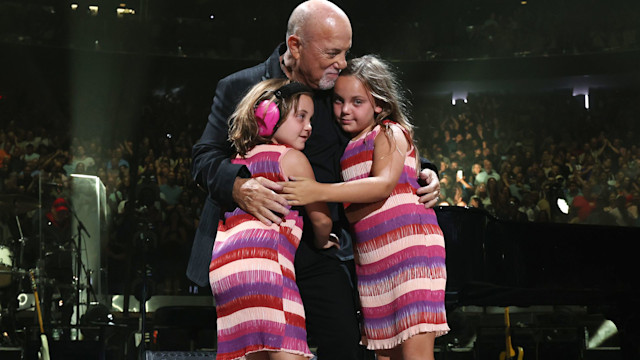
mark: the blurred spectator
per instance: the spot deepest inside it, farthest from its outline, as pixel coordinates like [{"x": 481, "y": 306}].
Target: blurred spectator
[
  {"x": 5, "y": 154},
  {"x": 29, "y": 153},
  {"x": 87, "y": 162},
  {"x": 487, "y": 173},
  {"x": 170, "y": 192}
]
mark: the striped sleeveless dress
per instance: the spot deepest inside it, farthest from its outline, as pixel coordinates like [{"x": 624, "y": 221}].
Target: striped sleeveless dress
[
  {"x": 399, "y": 252},
  {"x": 252, "y": 276}
]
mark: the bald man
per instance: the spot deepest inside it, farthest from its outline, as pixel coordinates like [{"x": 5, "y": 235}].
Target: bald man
[{"x": 317, "y": 40}]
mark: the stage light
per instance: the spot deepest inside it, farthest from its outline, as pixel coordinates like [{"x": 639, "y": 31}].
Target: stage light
[
  {"x": 74, "y": 7},
  {"x": 606, "y": 330},
  {"x": 586, "y": 101},
  {"x": 459, "y": 95},
  {"x": 582, "y": 91},
  {"x": 122, "y": 12}
]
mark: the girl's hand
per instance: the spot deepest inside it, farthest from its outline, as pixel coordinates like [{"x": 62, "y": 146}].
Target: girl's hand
[
  {"x": 300, "y": 191},
  {"x": 333, "y": 241}
]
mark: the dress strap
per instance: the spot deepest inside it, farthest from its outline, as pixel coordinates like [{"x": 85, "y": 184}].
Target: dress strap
[{"x": 389, "y": 123}]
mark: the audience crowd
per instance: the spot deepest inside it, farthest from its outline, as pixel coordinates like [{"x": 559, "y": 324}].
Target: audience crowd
[
  {"x": 514, "y": 155},
  {"x": 539, "y": 157}
]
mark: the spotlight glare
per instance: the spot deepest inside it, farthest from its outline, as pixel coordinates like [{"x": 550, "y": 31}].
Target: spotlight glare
[
  {"x": 586, "y": 101},
  {"x": 606, "y": 330},
  {"x": 459, "y": 95},
  {"x": 121, "y": 12}
]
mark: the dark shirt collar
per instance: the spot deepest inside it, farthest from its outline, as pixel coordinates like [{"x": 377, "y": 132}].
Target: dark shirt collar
[{"x": 272, "y": 68}]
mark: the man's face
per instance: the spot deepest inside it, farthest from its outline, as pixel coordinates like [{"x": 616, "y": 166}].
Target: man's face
[
  {"x": 488, "y": 166},
  {"x": 323, "y": 53}
]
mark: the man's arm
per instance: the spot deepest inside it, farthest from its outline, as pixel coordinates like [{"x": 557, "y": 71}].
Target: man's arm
[
  {"x": 212, "y": 167},
  {"x": 227, "y": 183}
]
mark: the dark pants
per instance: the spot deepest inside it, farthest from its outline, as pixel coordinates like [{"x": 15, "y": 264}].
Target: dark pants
[{"x": 329, "y": 299}]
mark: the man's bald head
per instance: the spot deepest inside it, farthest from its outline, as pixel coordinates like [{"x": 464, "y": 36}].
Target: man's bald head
[
  {"x": 318, "y": 38},
  {"x": 311, "y": 13}
]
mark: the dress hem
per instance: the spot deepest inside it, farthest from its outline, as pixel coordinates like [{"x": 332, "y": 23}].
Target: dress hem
[
  {"x": 289, "y": 351},
  {"x": 400, "y": 338}
]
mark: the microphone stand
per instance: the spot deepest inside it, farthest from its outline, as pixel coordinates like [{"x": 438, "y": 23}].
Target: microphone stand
[{"x": 79, "y": 265}]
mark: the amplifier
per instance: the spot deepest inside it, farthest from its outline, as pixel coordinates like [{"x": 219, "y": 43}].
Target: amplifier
[{"x": 10, "y": 353}]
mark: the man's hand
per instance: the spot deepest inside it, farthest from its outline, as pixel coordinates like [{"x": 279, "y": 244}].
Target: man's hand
[
  {"x": 257, "y": 197},
  {"x": 429, "y": 195}
]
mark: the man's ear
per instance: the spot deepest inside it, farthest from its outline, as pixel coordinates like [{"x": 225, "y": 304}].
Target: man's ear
[{"x": 294, "y": 44}]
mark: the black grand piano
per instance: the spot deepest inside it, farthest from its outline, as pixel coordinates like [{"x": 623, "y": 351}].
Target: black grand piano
[{"x": 492, "y": 262}]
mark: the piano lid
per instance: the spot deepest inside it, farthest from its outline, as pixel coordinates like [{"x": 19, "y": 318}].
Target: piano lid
[{"x": 503, "y": 263}]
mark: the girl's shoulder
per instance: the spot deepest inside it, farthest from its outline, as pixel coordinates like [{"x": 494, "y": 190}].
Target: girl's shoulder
[
  {"x": 394, "y": 132},
  {"x": 295, "y": 163}
]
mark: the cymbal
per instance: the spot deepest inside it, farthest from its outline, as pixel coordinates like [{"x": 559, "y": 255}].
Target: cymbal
[{"x": 17, "y": 203}]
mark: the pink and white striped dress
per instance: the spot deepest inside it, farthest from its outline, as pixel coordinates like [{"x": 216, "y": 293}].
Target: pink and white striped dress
[
  {"x": 399, "y": 251},
  {"x": 252, "y": 276}
]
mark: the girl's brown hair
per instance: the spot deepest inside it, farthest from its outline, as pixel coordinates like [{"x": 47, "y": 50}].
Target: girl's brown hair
[
  {"x": 244, "y": 131},
  {"x": 379, "y": 79}
]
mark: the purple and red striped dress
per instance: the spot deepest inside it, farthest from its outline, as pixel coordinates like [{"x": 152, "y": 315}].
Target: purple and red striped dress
[
  {"x": 399, "y": 252},
  {"x": 252, "y": 276}
]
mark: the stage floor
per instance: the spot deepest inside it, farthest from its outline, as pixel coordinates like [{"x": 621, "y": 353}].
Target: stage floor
[{"x": 184, "y": 327}]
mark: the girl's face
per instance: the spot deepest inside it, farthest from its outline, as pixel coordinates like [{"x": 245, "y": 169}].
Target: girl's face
[
  {"x": 354, "y": 106},
  {"x": 296, "y": 128}
]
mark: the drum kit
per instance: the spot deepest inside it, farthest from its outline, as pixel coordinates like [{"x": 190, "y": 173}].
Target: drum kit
[
  {"x": 25, "y": 263},
  {"x": 15, "y": 205}
]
